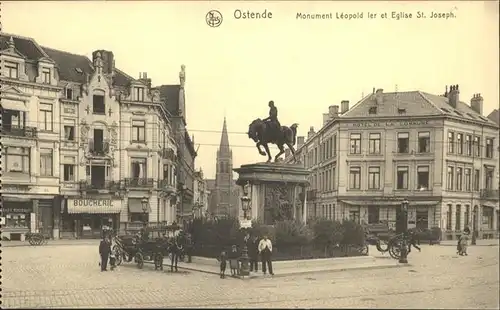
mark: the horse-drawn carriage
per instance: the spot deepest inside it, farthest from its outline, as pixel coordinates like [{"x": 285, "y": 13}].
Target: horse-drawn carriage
[{"x": 151, "y": 243}]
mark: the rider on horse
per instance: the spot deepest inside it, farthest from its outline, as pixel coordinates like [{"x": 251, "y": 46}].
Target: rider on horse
[{"x": 272, "y": 120}]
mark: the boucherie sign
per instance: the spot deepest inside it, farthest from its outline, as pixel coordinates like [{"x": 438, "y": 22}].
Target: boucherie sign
[
  {"x": 92, "y": 202},
  {"x": 390, "y": 123}
]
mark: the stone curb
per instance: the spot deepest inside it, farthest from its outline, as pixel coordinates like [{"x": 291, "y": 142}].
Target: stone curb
[{"x": 386, "y": 266}]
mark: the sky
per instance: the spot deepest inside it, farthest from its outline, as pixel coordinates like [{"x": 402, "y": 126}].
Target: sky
[{"x": 304, "y": 66}]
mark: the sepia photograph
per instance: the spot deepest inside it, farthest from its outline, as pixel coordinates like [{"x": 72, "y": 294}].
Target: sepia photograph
[{"x": 250, "y": 154}]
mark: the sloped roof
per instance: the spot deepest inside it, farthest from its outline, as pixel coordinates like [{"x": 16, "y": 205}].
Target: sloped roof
[
  {"x": 26, "y": 46},
  {"x": 495, "y": 116},
  {"x": 170, "y": 94},
  {"x": 68, "y": 64},
  {"x": 414, "y": 103}
]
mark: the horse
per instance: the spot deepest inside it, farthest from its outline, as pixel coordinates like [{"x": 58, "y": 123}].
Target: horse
[{"x": 261, "y": 133}]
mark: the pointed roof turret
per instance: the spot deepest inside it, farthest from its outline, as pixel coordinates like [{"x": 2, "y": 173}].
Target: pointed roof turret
[{"x": 224, "y": 139}]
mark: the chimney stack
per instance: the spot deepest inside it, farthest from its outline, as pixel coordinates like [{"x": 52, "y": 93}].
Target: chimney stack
[
  {"x": 344, "y": 106},
  {"x": 143, "y": 77},
  {"x": 300, "y": 141},
  {"x": 333, "y": 110},
  {"x": 446, "y": 92},
  {"x": 476, "y": 103},
  {"x": 453, "y": 96},
  {"x": 379, "y": 96},
  {"x": 311, "y": 133}
]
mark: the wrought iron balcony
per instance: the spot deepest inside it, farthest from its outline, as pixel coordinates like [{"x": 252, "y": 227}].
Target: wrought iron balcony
[
  {"x": 9, "y": 130},
  {"x": 139, "y": 182},
  {"x": 166, "y": 186},
  {"x": 490, "y": 194},
  {"x": 98, "y": 149},
  {"x": 88, "y": 185}
]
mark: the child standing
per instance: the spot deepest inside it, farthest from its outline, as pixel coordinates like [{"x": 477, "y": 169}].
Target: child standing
[{"x": 223, "y": 263}]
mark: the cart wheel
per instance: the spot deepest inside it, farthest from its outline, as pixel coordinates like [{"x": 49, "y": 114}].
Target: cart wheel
[
  {"x": 119, "y": 257},
  {"x": 394, "y": 251},
  {"x": 139, "y": 259},
  {"x": 31, "y": 241},
  {"x": 115, "y": 248},
  {"x": 38, "y": 241}
]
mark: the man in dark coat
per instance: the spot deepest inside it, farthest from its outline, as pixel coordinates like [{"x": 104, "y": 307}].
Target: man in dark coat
[
  {"x": 104, "y": 251},
  {"x": 253, "y": 253},
  {"x": 273, "y": 119}
]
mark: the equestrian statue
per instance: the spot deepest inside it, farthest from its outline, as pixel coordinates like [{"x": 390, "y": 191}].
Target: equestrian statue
[{"x": 269, "y": 130}]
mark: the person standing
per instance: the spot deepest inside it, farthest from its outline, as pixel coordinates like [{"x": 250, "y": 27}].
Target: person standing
[
  {"x": 253, "y": 253},
  {"x": 463, "y": 242},
  {"x": 265, "y": 250},
  {"x": 104, "y": 251}
]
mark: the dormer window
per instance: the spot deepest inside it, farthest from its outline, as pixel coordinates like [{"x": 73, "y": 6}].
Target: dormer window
[
  {"x": 372, "y": 110},
  {"x": 139, "y": 94},
  {"x": 46, "y": 75},
  {"x": 12, "y": 69},
  {"x": 69, "y": 93}
]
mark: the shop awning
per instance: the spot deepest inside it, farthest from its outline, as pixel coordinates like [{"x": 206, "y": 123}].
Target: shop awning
[
  {"x": 94, "y": 206},
  {"x": 135, "y": 205},
  {"x": 24, "y": 198},
  {"x": 13, "y": 105},
  {"x": 387, "y": 203}
]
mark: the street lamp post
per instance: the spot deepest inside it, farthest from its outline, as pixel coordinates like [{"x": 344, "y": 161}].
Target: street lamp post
[
  {"x": 245, "y": 205},
  {"x": 403, "y": 259},
  {"x": 145, "y": 208}
]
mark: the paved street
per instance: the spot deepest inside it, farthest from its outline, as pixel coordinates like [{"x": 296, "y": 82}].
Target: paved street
[{"x": 69, "y": 276}]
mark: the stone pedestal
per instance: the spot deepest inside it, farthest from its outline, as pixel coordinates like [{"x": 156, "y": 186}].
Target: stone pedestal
[{"x": 277, "y": 192}]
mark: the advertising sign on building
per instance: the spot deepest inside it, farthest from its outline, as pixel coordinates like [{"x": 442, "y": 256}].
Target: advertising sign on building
[{"x": 96, "y": 205}]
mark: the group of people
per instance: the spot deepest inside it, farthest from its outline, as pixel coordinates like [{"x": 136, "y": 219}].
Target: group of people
[
  {"x": 106, "y": 253},
  {"x": 257, "y": 247}
]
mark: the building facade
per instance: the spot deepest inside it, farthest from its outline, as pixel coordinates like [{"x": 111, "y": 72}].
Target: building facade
[
  {"x": 30, "y": 137},
  {"x": 224, "y": 192},
  {"x": 175, "y": 103},
  {"x": 113, "y": 155},
  {"x": 435, "y": 150},
  {"x": 201, "y": 193}
]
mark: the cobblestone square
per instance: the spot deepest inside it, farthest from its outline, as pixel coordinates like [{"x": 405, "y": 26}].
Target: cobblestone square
[{"x": 69, "y": 276}]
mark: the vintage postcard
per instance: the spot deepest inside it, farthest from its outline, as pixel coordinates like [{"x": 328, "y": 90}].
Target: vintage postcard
[{"x": 249, "y": 154}]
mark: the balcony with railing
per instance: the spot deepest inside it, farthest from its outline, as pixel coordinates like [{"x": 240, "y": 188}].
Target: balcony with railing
[
  {"x": 17, "y": 131},
  {"x": 166, "y": 186},
  {"x": 139, "y": 182},
  {"x": 492, "y": 194},
  {"x": 88, "y": 185},
  {"x": 98, "y": 148}
]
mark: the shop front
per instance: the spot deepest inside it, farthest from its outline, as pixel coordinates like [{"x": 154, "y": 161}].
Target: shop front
[
  {"x": 17, "y": 215},
  {"x": 85, "y": 218}
]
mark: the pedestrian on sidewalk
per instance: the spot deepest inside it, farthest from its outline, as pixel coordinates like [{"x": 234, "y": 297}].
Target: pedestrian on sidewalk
[
  {"x": 104, "y": 251},
  {"x": 223, "y": 264},
  {"x": 266, "y": 250},
  {"x": 253, "y": 253},
  {"x": 463, "y": 242},
  {"x": 234, "y": 256}
]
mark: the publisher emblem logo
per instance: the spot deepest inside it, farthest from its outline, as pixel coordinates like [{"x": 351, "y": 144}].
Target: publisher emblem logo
[{"x": 213, "y": 18}]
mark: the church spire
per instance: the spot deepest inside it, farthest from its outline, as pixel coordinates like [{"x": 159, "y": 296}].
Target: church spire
[{"x": 224, "y": 140}]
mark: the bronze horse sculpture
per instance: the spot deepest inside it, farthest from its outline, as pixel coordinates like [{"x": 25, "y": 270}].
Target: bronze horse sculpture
[{"x": 262, "y": 133}]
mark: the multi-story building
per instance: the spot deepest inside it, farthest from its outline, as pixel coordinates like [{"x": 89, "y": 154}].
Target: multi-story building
[
  {"x": 174, "y": 96},
  {"x": 436, "y": 151},
  {"x": 224, "y": 192},
  {"x": 105, "y": 140},
  {"x": 201, "y": 192},
  {"x": 30, "y": 137}
]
